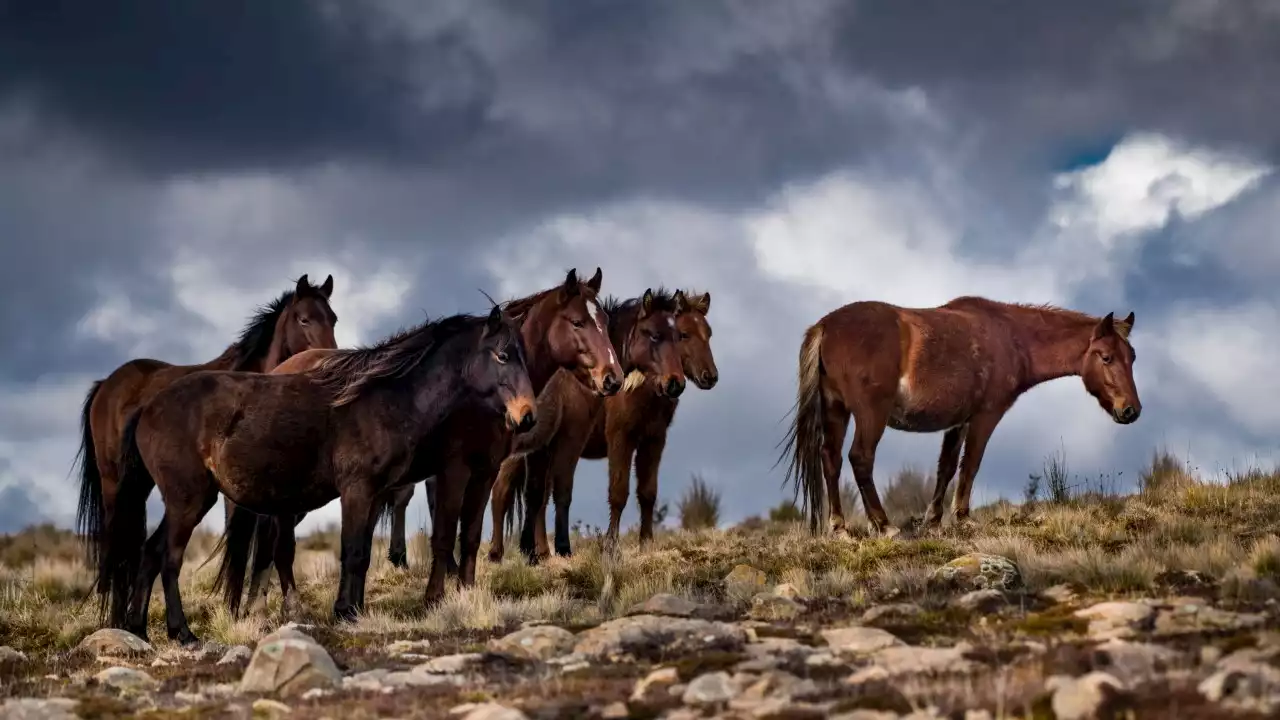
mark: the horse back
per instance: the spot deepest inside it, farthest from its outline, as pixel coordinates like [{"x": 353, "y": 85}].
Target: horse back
[{"x": 303, "y": 361}]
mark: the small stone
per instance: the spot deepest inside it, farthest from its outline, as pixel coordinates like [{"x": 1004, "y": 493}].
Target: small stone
[
  {"x": 866, "y": 715},
  {"x": 187, "y": 698},
  {"x": 370, "y": 680},
  {"x": 126, "y": 679},
  {"x": 859, "y": 640},
  {"x": 894, "y": 612},
  {"x": 1132, "y": 662},
  {"x": 615, "y": 711},
  {"x": 743, "y": 582},
  {"x": 1253, "y": 687},
  {"x": 979, "y": 571},
  {"x": 643, "y": 634},
  {"x": 316, "y": 694},
  {"x": 288, "y": 664},
  {"x": 239, "y": 653},
  {"x": 210, "y": 650},
  {"x": 494, "y": 711},
  {"x": 1082, "y": 698},
  {"x": 449, "y": 664},
  {"x": 39, "y": 709},
  {"x": 110, "y": 642},
  {"x": 788, "y": 591},
  {"x": 653, "y": 686},
  {"x": 540, "y": 642},
  {"x": 270, "y": 708},
  {"x": 982, "y": 601},
  {"x": 710, "y": 689},
  {"x": 8, "y": 655},
  {"x": 767, "y": 606},
  {"x": 904, "y": 659},
  {"x": 409, "y": 647},
  {"x": 1060, "y": 594},
  {"x": 665, "y": 604},
  {"x": 1192, "y": 617},
  {"x": 1117, "y": 619},
  {"x": 160, "y": 662}
]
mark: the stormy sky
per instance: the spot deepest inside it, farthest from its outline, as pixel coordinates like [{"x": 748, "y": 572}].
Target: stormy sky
[{"x": 166, "y": 166}]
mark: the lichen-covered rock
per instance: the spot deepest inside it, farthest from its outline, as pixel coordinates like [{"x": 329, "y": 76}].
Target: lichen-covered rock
[
  {"x": 264, "y": 707},
  {"x": 646, "y": 635},
  {"x": 1084, "y": 697},
  {"x": 110, "y": 642},
  {"x": 539, "y": 642},
  {"x": 237, "y": 654},
  {"x": 743, "y": 582},
  {"x": 123, "y": 678},
  {"x": 713, "y": 688},
  {"x": 449, "y": 664},
  {"x": 979, "y": 571},
  {"x": 409, "y": 647},
  {"x": 289, "y": 662},
  {"x": 859, "y": 640},
  {"x": 768, "y": 606},
  {"x": 666, "y": 604}
]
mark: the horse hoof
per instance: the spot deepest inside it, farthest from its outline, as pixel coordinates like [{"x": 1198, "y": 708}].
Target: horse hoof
[
  {"x": 495, "y": 556},
  {"x": 399, "y": 560},
  {"x": 185, "y": 638},
  {"x": 890, "y": 532},
  {"x": 345, "y": 614}
]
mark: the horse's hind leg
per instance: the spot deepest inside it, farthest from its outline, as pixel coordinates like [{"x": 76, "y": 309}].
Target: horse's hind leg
[
  {"x": 975, "y": 444},
  {"x": 398, "y": 552},
  {"x": 648, "y": 458},
  {"x": 869, "y": 426},
  {"x": 537, "y": 492},
  {"x": 357, "y": 546},
  {"x": 268, "y": 546},
  {"x": 181, "y": 525},
  {"x": 501, "y": 500},
  {"x": 835, "y": 424},
  {"x": 134, "y": 618},
  {"x": 948, "y": 460},
  {"x": 621, "y": 451},
  {"x": 474, "y": 499},
  {"x": 285, "y": 547}
]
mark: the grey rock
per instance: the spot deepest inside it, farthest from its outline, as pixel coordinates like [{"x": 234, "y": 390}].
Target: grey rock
[
  {"x": 288, "y": 664},
  {"x": 1117, "y": 619},
  {"x": 8, "y": 655},
  {"x": 1192, "y": 617},
  {"x": 1253, "y": 687},
  {"x": 209, "y": 651},
  {"x": 982, "y": 601},
  {"x": 126, "y": 679},
  {"x": 493, "y": 711},
  {"x": 1081, "y": 698},
  {"x": 743, "y": 582},
  {"x": 768, "y": 606},
  {"x": 899, "y": 660},
  {"x": 666, "y": 604},
  {"x": 894, "y": 612},
  {"x": 270, "y": 708},
  {"x": 239, "y": 653},
  {"x": 858, "y": 640},
  {"x": 1132, "y": 662},
  {"x": 631, "y": 636},
  {"x": 710, "y": 689},
  {"x": 38, "y": 709},
  {"x": 409, "y": 647},
  {"x": 110, "y": 642},
  {"x": 539, "y": 642},
  {"x": 655, "y": 686},
  {"x": 449, "y": 664}
]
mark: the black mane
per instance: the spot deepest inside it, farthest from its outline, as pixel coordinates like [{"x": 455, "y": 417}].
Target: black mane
[{"x": 255, "y": 339}]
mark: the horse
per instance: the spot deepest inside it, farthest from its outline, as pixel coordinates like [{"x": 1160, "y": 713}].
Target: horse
[
  {"x": 563, "y": 329},
  {"x": 297, "y": 320},
  {"x": 287, "y": 444},
  {"x": 647, "y": 332},
  {"x": 956, "y": 369}
]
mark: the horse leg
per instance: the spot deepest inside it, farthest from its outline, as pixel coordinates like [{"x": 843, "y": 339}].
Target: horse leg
[
  {"x": 975, "y": 444},
  {"x": 503, "y": 493},
  {"x": 451, "y": 483},
  {"x": 181, "y": 525},
  {"x": 648, "y": 457},
  {"x": 947, "y": 462},
  {"x": 835, "y": 424},
  {"x": 398, "y": 552},
  {"x": 533, "y": 533},
  {"x": 621, "y": 450},
  {"x": 357, "y": 545},
  {"x": 560, "y": 475},
  {"x": 869, "y": 426},
  {"x": 474, "y": 498},
  {"x": 134, "y": 618},
  {"x": 268, "y": 546},
  {"x": 286, "y": 545}
]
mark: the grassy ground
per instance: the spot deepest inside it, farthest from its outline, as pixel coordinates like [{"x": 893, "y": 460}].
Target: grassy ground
[{"x": 1104, "y": 546}]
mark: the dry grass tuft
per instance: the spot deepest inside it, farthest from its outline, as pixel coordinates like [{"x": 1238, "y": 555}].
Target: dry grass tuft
[{"x": 699, "y": 506}]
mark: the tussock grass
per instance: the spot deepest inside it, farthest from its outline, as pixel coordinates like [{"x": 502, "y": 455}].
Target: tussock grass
[
  {"x": 1112, "y": 546},
  {"x": 699, "y": 506}
]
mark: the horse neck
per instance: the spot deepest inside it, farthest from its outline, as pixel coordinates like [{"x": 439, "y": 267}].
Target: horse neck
[
  {"x": 1054, "y": 343},
  {"x": 537, "y": 349},
  {"x": 278, "y": 351},
  {"x": 435, "y": 391},
  {"x": 620, "y": 326},
  {"x": 225, "y": 361}
]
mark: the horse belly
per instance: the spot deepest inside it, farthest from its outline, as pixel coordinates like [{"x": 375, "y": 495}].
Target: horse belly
[{"x": 918, "y": 412}]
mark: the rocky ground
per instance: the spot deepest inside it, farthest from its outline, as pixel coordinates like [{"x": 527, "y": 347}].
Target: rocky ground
[{"x": 1158, "y": 605}]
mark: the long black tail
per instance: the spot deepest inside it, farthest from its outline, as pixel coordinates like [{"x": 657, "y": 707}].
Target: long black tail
[
  {"x": 240, "y": 539},
  {"x": 89, "y": 511},
  {"x": 121, "y": 558},
  {"x": 804, "y": 440},
  {"x": 516, "y": 508}
]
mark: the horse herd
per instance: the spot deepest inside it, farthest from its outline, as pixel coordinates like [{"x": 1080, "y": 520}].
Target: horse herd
[{"x": 501, "y": 407}]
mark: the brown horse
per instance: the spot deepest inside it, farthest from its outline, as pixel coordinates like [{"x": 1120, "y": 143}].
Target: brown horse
[
  {"x": 298, "y": 320},
  {"x": 957, "y": 369},
  {"x": 563, "y": 328},
  {"x": 287, "y": 444},
  {"x": 647, "y": 333}
]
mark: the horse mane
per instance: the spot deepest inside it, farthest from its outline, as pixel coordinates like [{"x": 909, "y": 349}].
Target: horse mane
[
  {"x": 621, "y": 315},
  {"x": 349, "y": 373},
  {"x": 255, "y": 339}
]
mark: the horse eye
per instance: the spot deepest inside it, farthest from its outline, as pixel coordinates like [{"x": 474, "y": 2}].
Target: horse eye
[
  {"x": 302, "y": 320},
  {"x": 501, "y": 357},
  {"x": 684, "y": 336},
  {"x": 1106, "y": 359},
  {"x": 578, "y": 323}
]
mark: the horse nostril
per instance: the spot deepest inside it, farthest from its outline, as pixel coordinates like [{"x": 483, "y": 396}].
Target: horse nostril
[
  {"x": 611, "y": 384},
  {"x": 709, "y": 378},
  {"x": 528, "y": 421},
  {"x": 1129, "y": 414},
  {"x": 675, "y": 386}
]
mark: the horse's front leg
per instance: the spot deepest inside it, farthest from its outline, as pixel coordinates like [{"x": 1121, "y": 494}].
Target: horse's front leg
[{"x": 357, "y": 545}]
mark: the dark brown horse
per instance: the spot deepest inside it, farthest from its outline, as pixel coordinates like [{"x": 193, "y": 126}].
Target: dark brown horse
[
  {"x": 563, "y": 328},
  {"x": 298, "y": 320},
  {"x": 955, "y": 369},
  {"x": 288, "y": 444},
  {"x": 647, "y": 333}
]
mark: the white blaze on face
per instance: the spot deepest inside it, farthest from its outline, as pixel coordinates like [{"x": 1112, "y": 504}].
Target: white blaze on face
[
  {"x": 671, "y": 322},
  {"x": 594, "y": 311}
]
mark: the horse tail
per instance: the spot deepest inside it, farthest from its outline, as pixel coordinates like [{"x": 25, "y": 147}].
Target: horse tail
[
  {"x": 120, "y": 562},
  {"x": 239, "y": 540},
  {"x": 804, "y": 441},
  {"x": 516, "y": 508},
  {"x": 384, "y": 513},
  {"x": 89, "y": 510}
]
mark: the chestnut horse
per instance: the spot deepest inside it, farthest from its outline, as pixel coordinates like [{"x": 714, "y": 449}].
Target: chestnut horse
[
  {"x": 563, "y": 328},
  {"x": 287, "y": 444},
  {"x": 646, "y": 334},
  {"x": 956, "y": 369},
  {"x": 298, "y": 320}
]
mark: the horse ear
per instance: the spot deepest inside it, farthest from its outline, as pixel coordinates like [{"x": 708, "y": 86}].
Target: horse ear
[
  {"x": 1125, "y": 326},
  {"x": 494, "y": 323},
  {"x": 570, "y": 288},
  {"x": 596, "y": 280},
  {"x": 646, "y": 302},
  {"x": 1106, "y": 327},
  {"x": 682, "y": 303},
  {"x": 326, "y": 289},
  {"x": 304, "y": 285},
  {"x": 703, "y": 303}
]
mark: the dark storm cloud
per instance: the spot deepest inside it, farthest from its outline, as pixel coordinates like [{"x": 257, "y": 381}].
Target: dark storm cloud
[{"x": 17, "y": 509}]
